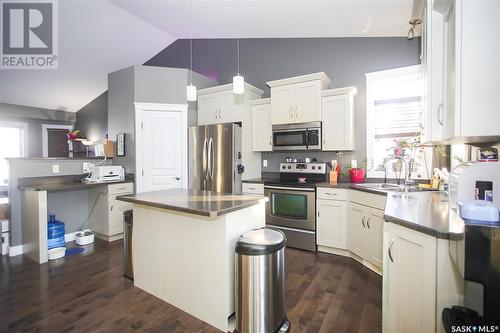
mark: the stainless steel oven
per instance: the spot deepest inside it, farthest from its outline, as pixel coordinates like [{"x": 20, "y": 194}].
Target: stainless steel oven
[
  {"x": 303, "y": 136},
  {"x": 292, "y": 210}
]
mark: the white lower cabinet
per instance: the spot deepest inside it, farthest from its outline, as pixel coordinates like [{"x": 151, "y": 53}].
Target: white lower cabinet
[
  {"x": 106, "y": 219},
  {"x": 366, "y": 233},
  {"x": 409, "y": 281},
  {"x": 331, "y": 223}
]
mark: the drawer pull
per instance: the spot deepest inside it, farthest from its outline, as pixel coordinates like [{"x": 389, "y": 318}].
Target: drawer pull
[
  {"x": 368, "y": 222},
  {"x": 363, "y": 221},
  {"x": 252, "y": 188},
  {"x": 328, "y": 193}
]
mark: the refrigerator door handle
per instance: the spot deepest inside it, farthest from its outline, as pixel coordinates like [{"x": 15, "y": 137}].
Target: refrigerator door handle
[
  {"x": 211, "y": 158},
  {"x": 205, "y": 162}
]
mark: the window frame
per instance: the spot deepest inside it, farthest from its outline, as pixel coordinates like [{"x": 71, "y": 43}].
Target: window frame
[{"x": 400, "y": 74}]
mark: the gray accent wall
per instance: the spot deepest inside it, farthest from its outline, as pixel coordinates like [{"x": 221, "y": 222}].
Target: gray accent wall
[
  {"x": 344, "y": 60},
  {"x": 35, "y": 118},
  {"x": 92, "y": 119}
]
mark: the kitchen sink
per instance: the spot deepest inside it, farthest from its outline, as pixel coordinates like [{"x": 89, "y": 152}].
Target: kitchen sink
[{"x": 391, "y": 187}]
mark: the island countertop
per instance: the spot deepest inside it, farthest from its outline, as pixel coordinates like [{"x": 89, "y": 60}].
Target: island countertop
[{"x": 197, "y": 202}]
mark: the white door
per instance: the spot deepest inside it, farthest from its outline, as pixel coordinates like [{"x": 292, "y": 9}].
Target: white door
[
  {"x": 307, "y": 101},
  {"x": 375, "y": 225},
  {"x": 410, "y": 279},
  {"x": 357, "y": 229},
  {"x": 282, "y": 109},
  {"x": 332, "y": 223},
  {"x": 337, "y": 125},
  {"x": 262, "y": 139},
  {"x": 161, "y": 151}
]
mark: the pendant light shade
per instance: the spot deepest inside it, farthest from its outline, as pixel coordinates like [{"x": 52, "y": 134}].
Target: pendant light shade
[
  {"x": 191, "y": 93},
  {"x": 238, "y": 84}
]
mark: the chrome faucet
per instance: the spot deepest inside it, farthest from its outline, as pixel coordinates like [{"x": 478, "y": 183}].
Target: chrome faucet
[{"x": 407, "y": 181}]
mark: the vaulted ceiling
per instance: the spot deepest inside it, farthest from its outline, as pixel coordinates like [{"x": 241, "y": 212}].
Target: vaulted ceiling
[{"x": 99, "y": 37}]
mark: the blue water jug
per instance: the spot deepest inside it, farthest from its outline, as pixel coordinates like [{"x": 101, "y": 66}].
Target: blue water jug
[{"x": 55, "y": 232}]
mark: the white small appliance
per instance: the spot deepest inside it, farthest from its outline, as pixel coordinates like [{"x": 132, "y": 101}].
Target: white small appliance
[{"x": 105, "y": 173}]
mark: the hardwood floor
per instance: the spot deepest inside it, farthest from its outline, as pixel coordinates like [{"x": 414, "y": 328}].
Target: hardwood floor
[{"x": 87, "y": 293}]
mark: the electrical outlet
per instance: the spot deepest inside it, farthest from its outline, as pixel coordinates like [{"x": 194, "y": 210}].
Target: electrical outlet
[
  {"x": 264, "y": 163},
  {"x": 55, "y": 168}
]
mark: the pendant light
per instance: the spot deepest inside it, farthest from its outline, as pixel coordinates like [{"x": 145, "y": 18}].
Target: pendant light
[
  {"x": 238, "y": 80},
  {"x": 191, "y": 89}
]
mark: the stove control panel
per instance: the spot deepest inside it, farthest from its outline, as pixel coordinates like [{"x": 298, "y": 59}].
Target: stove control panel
[{"x": 318, "y": 168}]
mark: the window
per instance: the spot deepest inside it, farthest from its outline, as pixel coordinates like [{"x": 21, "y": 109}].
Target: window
[
  {"x": 13, "y": 143},
  {"x": 394, "y": 122}
]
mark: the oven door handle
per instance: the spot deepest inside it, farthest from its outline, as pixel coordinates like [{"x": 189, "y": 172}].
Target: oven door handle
[{"x": 290, "y": 188}]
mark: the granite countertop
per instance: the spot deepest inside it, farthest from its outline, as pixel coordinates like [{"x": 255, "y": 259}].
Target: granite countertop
[
  {"x": 62, "y": 183},
  {"x": 427, "y": 212},
  {"x": 265, "y": 176},
  {"x": 197, "y": 202}
]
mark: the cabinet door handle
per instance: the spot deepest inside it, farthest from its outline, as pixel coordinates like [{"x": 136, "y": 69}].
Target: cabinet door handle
[
  {"x": 291, "y": 111},
  {"x": 389, "y": 250},
  {"x": 177, "y": 178},
  {"x": 220, "y": 113},
  {"x": 363, "y": 221},
  {"x": 111, "y": 208},
  {"x": 216, "y": 113},
  {"x": 368, "y": 222},
  {"x": 318, "y": 213},
  {"x": 439, "y": 114}
]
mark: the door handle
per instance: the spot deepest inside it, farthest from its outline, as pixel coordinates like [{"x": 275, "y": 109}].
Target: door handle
[
  {"x": 177, "y": 178},
  {"x": 439, "y": 114},
  {"x": 111, "y": 208},
  {"x": 389, "y": 250},
  {"x": 205, "y": 160},
  {"x": 363, "y": 221},
  {"x": 318, "y": 213},
  {"x": 368, "y": 222},
  {"x": 211, "y": 157}
]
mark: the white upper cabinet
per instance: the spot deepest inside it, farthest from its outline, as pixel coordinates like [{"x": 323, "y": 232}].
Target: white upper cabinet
[
  {"x": 219, "y": 105},
  {"x": 462, "y": 65},
  {"x": 337, "y": 114},
  {"x": 262, "y": 139},
  {"x": 297, "y": 99}
]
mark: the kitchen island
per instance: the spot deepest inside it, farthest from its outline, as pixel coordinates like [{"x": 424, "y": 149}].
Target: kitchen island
[{"x": 183, "y": 247}]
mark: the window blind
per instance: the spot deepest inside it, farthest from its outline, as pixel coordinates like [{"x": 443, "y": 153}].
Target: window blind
[{"x": 397, "y": 117}]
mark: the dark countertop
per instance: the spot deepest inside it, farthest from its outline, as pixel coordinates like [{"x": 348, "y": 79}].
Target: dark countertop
[
  {"x": 427, "y": 212},
  {"x": 62, "y": 183},
  {"x": 266, "y": 176},
  {"x": 197, "y": 202}
]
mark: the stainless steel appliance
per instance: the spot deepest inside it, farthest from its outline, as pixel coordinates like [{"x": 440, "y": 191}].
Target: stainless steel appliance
[
  {"x": 128, "y": 223},
  {"x": 292, "y": 202},
  {"x": 303, "y": 136},
  {"x": 215, "y": 158},
  {"x": 259, "y": 297}
]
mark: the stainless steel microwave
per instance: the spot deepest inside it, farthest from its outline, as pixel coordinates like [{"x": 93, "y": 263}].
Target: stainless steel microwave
[{"x": 303, "y": 136}]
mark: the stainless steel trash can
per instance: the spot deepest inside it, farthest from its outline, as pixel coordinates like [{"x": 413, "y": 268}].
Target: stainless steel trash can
[
  {"x": 260, "y": 282},
  {"x": 128, "y": 222}
]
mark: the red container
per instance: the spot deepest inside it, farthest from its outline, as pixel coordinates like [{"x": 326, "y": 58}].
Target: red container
[{"x": 357, "y": 175}]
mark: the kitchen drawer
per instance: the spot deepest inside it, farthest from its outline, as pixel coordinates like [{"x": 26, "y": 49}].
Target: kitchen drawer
[
  {"x": 122, "y": 188},
  {"x": 253, "y": 188},
  {"x": 331, "y": 193},
  {"x": 367, "y": 199}
]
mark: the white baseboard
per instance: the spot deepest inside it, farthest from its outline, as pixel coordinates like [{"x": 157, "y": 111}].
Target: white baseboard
[{"x": 17, "y": 250}]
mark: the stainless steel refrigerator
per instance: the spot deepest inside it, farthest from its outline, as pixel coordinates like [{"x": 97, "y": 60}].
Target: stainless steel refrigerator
[{"x": 215, "y": 158}]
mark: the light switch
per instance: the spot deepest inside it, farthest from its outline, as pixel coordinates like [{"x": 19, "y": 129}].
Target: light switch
[
  {"x": 264, "y": 163},
  {"x": 55, "y": 168}
]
